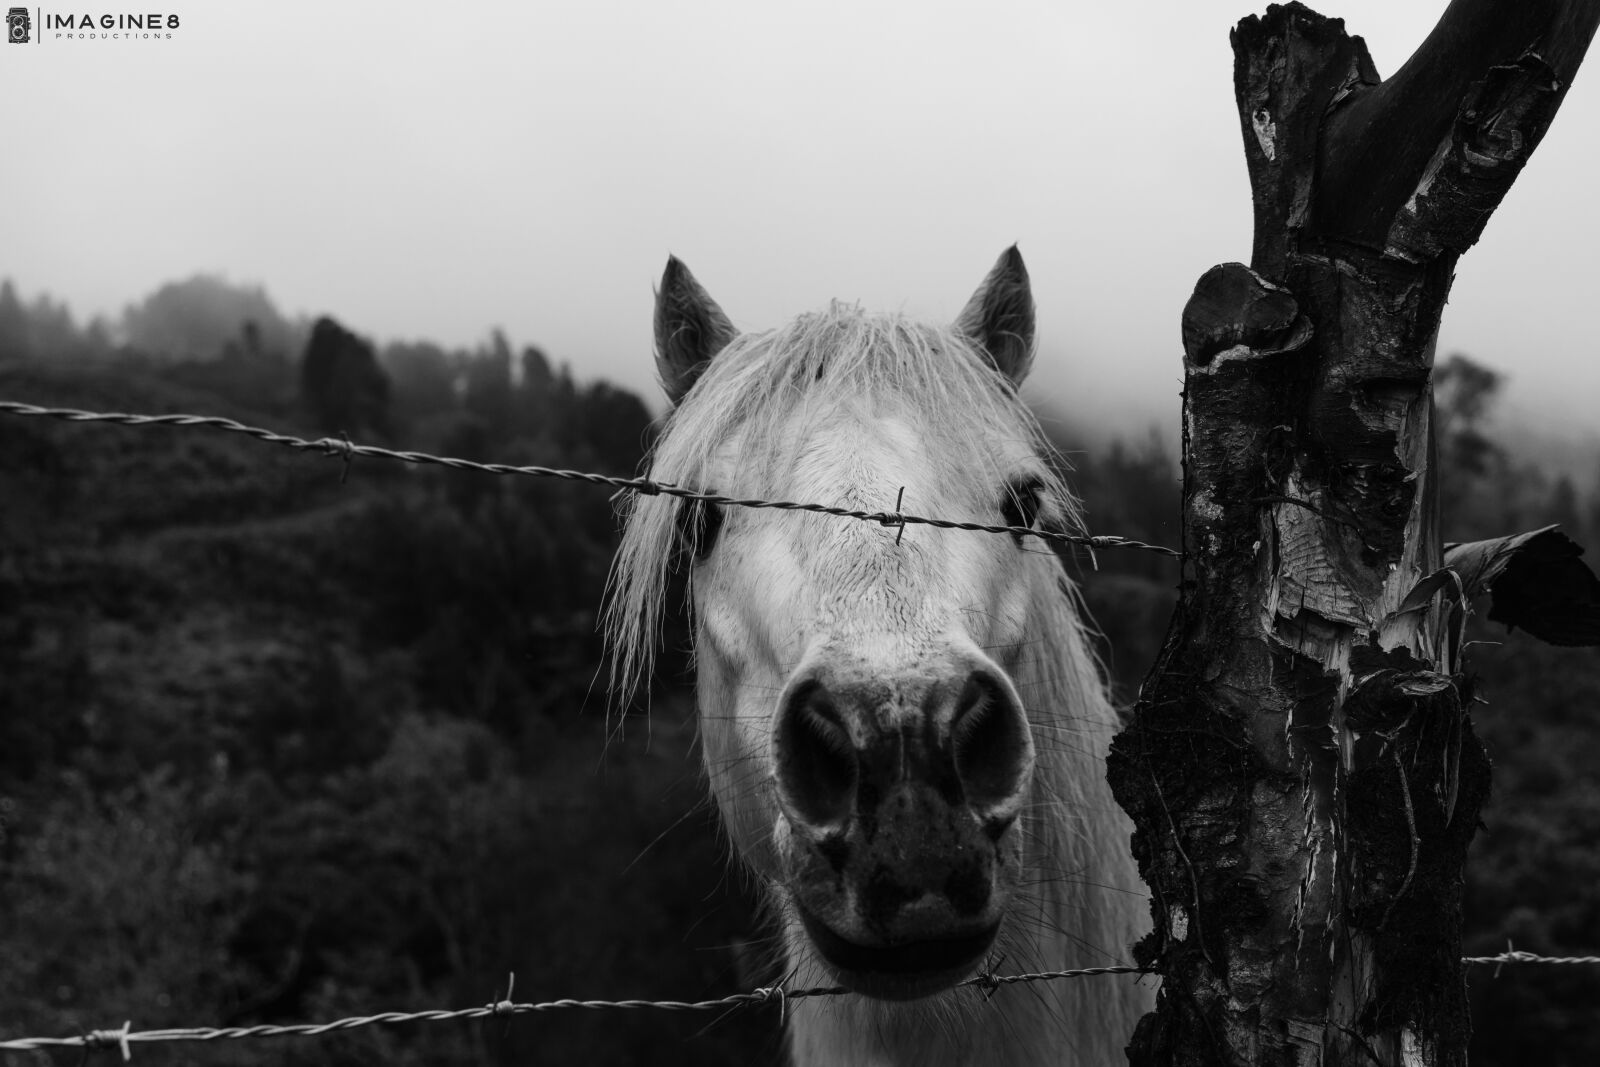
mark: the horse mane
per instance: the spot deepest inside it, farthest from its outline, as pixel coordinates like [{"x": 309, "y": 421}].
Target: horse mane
[{"x": 753, "y": 387}]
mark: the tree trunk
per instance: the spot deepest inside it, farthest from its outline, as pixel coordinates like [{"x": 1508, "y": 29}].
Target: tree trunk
[{"x": 1301, "y": 768}]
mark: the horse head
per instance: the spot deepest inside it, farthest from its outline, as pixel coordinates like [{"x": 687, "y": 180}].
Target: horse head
[{"x": 862, "y": 715}]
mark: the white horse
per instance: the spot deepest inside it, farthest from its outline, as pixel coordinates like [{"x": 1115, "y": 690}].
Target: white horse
[{"x": 905, "y": 735}]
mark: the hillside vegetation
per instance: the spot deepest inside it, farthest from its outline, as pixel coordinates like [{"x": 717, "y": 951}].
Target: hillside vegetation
[{"x": 279, "y": 744}]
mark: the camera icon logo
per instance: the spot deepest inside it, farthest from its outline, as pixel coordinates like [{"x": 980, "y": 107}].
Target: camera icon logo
[{"x": 19, "y": 27}]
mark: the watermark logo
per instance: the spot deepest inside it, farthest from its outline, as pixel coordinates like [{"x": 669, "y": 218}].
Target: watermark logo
[
  {"x": 19, "y": 27},
  {"x": 43, "y": 24}
]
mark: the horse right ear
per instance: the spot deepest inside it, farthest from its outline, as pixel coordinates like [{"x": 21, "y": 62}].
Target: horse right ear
[
  {"x": 690, "y": 330},
  {"x": 999, "y": 317}
]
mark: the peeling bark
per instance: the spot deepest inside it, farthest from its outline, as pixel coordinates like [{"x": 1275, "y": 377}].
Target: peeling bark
[{"x": 1301, "y": 769}]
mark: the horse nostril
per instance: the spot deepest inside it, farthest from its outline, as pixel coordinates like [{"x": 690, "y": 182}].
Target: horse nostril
[
  {"x": 816, "y": 761},
  {"x": 993, "y": 751}
]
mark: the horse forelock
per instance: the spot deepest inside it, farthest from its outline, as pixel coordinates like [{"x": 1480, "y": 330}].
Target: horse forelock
[{"x": 728, "y": 435}]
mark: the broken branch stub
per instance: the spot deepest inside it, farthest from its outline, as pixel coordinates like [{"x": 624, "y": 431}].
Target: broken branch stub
[{"x": 1231, "y": 306}]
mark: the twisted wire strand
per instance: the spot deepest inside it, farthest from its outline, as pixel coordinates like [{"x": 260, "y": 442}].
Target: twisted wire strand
[
  {"x": 1518, "y": 956},
  {"x": 125, "y": 1037},
  {"x": 347, "y": 450}
]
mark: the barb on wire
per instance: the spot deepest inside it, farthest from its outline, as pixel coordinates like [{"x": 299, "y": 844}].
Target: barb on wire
[
  {"x": 778, "y": 993},
  {"x": 505, "y": 1002},
  {"x": 117, "y": 1038},
  {"x": 987, "y": 980},
  {"x": 345, "y": 449},
  {"x": 124, "y": 1037}
]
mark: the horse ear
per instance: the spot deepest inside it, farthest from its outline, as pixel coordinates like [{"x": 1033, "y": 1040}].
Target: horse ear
[
  {"x": 999, "y": 317},
  {"x": 690, "y": 329}
]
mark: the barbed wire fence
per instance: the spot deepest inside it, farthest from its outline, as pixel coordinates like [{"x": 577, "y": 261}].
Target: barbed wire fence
[
  {"x": 124, "y": 1037},
  {"x": 344, "y": 448}
]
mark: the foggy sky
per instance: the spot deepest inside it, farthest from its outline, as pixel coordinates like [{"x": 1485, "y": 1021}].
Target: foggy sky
[{"x": 431, "y": 171}]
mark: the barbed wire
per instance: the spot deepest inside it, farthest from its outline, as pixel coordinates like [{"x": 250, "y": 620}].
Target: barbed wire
[
  {"x": 124, "y": 1037},
  {"x": 1511, "y": 955},
  {"x": 347, "y": 450}
]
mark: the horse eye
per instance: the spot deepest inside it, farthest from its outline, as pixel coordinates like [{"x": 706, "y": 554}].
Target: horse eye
[
  {"x": 1020, "y": 505},
  {"x": 698, "y": 526}
]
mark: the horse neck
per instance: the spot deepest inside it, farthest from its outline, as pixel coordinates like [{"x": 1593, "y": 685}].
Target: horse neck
[
  {"x": 1076, "y": 822},
  {"x": 1090, "y": 896}
]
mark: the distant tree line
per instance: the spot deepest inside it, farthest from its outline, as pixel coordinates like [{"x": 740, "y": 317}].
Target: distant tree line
[{"x": 232, "y": 341}]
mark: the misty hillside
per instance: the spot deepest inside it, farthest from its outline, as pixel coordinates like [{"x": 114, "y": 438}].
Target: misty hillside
[{"x": 281, "y": 745}]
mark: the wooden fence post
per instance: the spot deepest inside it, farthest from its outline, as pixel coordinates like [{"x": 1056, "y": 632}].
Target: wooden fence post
[{"x": 1301, "y": 766}]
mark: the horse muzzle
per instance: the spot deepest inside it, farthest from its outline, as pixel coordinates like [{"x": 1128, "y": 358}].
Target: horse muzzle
[{"x": 901, "y": 796}]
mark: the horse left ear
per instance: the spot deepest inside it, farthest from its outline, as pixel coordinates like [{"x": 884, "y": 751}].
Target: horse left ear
[
  {"x": 690, "y": 329},
  {"x": 999, "y": 317}
]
